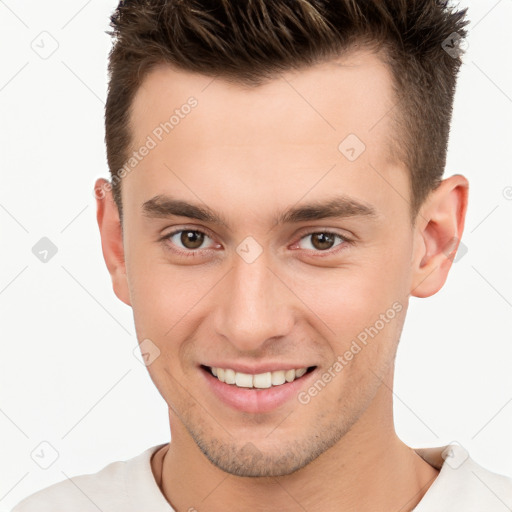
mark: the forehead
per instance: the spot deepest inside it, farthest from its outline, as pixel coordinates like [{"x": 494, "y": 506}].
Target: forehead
[
  {"x": 287, "y": 132},
  {"x": 351, "y": 92}
]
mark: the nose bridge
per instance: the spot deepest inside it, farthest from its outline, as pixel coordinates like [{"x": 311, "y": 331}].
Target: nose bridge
[{"x": 253, "y": 306}]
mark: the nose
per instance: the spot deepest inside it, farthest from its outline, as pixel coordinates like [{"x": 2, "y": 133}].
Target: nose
[{"x": 254, "y": 305}]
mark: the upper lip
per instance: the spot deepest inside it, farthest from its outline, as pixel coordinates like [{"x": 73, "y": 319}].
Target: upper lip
[{"x": 258, "y": 368}]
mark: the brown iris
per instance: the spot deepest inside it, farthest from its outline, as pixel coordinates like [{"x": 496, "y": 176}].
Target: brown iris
[
  {"x": 322, "y": 241},
  {"x": 192, "y": 239}
]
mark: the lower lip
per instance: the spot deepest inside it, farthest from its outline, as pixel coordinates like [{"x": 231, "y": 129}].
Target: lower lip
[{"x": 254, "y": 400}]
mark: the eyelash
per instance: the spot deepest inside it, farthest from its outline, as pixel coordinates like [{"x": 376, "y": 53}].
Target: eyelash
[{"x": 328, "y": 252}]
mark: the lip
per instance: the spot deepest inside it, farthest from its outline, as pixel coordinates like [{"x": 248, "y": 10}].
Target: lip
[{"x": 254, "y": 400}]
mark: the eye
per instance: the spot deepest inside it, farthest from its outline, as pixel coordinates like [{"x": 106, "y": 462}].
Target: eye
[
  {"x": 187, "y": 241},
  {"x": 322, "y": 241}
]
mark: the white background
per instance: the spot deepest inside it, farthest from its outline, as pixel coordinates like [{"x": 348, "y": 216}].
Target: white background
[{"x": 67, "y": 372}]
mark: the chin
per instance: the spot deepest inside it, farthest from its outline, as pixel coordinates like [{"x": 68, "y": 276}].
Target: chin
[{"x": 248, "y": 460}]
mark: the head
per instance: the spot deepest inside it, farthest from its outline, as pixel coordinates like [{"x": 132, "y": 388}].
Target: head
[{"x": 276, "y": 198}]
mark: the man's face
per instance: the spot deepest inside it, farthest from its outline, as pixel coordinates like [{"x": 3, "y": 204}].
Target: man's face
[{"x": 256, "y": 295}]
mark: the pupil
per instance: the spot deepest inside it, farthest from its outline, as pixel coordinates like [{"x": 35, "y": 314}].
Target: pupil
[
  {"x": 325, "y": 240},
  {"x": 192, "y": 239}
]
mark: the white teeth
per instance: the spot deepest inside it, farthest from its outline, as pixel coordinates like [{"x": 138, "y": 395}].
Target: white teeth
[
  {"x": 300, "y": 372},
  {"x": 243, "y": 380},
  {"x": 278, "y": 378},
  {"x": 229, "y": 376},
  {"x": 289, "y": 375},
  {"x": 260, "y": 380}
]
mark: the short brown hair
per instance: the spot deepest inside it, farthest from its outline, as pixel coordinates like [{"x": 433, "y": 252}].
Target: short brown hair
[{"x": 251, "y": 41}]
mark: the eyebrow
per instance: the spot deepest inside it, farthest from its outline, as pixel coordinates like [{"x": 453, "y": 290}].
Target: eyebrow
[{"x": 163, "y": 206}]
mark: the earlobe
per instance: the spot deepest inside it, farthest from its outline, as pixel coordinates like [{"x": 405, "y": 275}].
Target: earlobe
[
  {"x": 111, "y": 234},
  {"x": 439, "y": 228}
]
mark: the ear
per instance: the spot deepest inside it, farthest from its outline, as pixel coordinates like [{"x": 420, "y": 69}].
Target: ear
[
  {"x": 111, "y": 234},
  {"x": 439, "y": 227}
]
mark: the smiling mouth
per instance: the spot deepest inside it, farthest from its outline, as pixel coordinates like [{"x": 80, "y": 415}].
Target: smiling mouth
[{"x": 258, "y": 381}]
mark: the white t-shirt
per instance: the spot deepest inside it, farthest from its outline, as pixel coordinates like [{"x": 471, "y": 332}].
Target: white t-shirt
[{"x": 129, "y": 486}]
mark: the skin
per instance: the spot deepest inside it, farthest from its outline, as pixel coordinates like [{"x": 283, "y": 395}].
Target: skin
[{"x": 249, "y": 153}]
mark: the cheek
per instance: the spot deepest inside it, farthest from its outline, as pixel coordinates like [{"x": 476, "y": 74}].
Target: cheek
[
  {"x": 163, "y": 311},
  {"x": 363, "y": 304},
  {"x": 169, "y": 302},
  {"x": 160, "y": 292},
  {"x": 353, "y": 299},
  {"x": 152, "y": 301}
]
